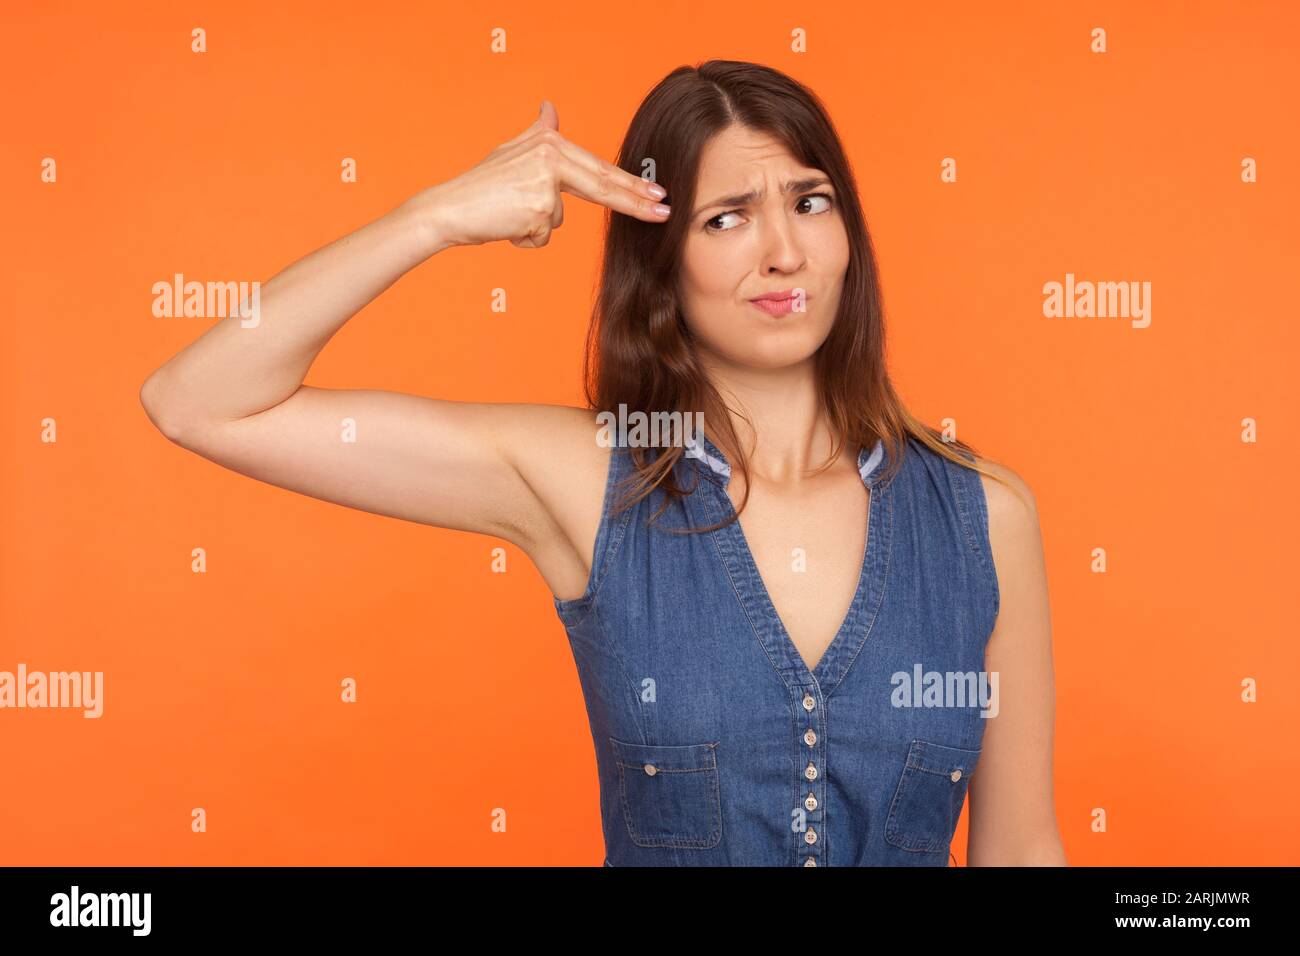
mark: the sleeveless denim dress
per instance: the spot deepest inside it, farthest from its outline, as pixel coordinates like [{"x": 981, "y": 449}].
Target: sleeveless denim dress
[{"x": 717, "y": 746}]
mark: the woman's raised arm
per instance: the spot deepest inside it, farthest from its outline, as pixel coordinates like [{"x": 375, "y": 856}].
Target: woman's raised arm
[{"x": 236, "y": 395}]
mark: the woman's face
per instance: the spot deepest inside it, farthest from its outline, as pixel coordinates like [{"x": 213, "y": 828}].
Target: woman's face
[{"x": 774, "y": 241}]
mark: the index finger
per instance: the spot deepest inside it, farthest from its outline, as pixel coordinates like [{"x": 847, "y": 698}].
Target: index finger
[{"x": 585, "y": 175}]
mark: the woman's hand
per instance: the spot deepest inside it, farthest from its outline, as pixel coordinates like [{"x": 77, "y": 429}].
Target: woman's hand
[{"x": 515, "y": 192}]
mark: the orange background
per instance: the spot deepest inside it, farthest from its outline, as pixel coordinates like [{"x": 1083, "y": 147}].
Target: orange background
[{"x": 222, "y": 689}]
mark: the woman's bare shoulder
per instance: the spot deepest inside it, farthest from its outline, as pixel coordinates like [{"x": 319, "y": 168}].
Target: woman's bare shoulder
[
  {"x": 1016, "y": 541},
  {"x": 554, "y": 438},
  {"x": 1011, "y": 499}
]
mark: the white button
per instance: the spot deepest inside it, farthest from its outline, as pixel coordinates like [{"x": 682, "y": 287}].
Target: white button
[
  {"x": 810, "y": 772},
  {"x": 810, "y": 737},
  {"x": 810, "y": 802},
  {"x": 810, "y": 862},
  {"x": 651, "y": 769},
  {"x": 810, "y": 836},
  {"x": 955, "y": 776},
  {"x": 809, "y": 702}
]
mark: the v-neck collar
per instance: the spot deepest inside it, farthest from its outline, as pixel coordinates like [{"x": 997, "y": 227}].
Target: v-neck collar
[{"x": 752, "y": 591}]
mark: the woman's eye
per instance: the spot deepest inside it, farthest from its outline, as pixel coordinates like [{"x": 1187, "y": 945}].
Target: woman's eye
[
  {"x": 826, "y": 196},
  {"x": 722, "y": 215},
  {"x": 713, "y": 224}
]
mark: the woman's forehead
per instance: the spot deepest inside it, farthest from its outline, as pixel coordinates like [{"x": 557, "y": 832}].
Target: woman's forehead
[{"x": 745, "y": 158}]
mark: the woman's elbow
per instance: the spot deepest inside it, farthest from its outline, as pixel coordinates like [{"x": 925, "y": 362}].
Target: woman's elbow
[{"x": 155, "y": 409}]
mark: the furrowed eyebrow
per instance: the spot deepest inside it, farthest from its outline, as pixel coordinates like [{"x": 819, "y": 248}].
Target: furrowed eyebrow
[{"x": 751, "y": 197}]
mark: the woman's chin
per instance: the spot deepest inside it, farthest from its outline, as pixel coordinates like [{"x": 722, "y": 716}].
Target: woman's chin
[{"x": 772, "y": 359}]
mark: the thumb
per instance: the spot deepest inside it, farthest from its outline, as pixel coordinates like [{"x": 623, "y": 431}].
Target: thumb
[{"x": 547, "y": 117}]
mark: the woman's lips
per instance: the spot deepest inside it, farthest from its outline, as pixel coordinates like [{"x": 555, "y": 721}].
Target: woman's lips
[{"x": 777, "y": 306}]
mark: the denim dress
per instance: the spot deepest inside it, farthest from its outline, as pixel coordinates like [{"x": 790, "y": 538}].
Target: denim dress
[{"x": 717, "y": 746}]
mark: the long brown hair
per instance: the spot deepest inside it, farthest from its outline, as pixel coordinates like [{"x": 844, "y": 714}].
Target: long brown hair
[{"x": 640, "y": 352}]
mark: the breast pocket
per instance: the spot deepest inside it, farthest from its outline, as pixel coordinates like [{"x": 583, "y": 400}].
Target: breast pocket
[
  {"x": 927, "y": 802},
  {"x": 669, "y": 793}
]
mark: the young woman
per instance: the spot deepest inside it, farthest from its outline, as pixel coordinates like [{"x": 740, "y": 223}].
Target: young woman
[{"x": 803, "y": 634}]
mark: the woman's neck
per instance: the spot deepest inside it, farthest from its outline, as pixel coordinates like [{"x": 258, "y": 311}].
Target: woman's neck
[{"x": 789, "y": 435}]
